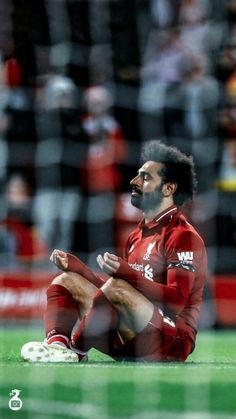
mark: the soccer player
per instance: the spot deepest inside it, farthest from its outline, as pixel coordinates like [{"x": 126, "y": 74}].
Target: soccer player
[{"x": 145, "y": 306}]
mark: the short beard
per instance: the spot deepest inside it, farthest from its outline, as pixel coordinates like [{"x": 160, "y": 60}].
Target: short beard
[{"x": 148, "y": 201}]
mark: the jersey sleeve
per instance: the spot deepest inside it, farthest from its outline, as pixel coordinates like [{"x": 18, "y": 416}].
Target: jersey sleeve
[
  {"x": 184, "y": 250},
  {"x": 180, "y": 273},
  {"x": 76, "y": 265}
]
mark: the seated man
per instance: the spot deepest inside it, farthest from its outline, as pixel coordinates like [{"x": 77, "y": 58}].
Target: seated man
[{"x": 146, "y": 305}]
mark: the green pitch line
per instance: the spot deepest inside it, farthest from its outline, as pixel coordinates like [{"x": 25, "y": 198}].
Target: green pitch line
[{"x": 202, "y": 388}]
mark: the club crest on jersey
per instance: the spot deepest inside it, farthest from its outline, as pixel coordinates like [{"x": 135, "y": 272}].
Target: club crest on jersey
[
  {"x": 149, "y": 251},
  {"x": 186, "y": 257}
]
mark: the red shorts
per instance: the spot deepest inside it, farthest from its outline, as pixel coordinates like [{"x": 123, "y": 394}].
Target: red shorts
[{"x": 161, "y": 340}]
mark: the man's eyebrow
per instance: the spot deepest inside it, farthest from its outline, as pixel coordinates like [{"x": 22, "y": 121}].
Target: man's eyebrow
[{"x": 143, "y": 172}]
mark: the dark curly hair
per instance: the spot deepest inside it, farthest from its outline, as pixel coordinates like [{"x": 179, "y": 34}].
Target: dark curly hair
[{"x": 178, "y": 168}]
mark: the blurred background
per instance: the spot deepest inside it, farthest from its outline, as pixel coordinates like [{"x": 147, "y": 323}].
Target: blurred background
[{"x": 83, "y": 84}]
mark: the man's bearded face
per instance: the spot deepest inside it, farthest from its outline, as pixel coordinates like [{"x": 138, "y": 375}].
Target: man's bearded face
[{"x": 146, "y": 201}]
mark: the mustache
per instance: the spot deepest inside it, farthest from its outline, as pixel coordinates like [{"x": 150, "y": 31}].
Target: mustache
[{"x": 136, "y": 189}]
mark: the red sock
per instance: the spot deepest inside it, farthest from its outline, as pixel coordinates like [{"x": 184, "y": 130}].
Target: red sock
[
  {"x": 101, "y": 319},
  {"x": 61, "y": 312}
]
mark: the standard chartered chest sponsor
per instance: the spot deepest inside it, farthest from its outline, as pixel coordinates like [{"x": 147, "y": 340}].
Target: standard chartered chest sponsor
[
  {"x": 146, "y": 269},
  {"x": 137, "y": 266}
]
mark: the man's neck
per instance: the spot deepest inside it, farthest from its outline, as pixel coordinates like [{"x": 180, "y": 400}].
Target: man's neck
[{"x": 150, "y": 215}]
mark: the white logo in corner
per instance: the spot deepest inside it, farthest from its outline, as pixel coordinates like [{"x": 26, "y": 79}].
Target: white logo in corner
[
  {"x": 149, "y": 251},
  {"x": 185, "y": 256},
  {"x": 15, "y": 403}
]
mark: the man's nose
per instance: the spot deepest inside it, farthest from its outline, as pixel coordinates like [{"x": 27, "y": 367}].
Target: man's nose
[{"x": 135, "y": 180}]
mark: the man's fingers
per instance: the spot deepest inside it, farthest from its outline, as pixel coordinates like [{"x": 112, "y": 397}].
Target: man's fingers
[
  {"x": 102, "y": 264},
  {"x": 108, "y": 261},
  {"x": 107, "y": 264},
  {"x": 53, "y": 256},
  {"x": 99, "y": 260},
  {"x": 56, "y": 253},
  {"x": 60, "y": 253},
  {"x": 110, "y": 256},
  {"x": 59, "y": 258}
]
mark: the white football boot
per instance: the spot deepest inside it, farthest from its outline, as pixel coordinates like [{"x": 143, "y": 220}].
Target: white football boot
[{"x": 42, "y": 352}]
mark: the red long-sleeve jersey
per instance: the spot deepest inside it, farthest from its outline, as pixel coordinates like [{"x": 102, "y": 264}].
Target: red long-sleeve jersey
[{"x": 166, "y": 261}]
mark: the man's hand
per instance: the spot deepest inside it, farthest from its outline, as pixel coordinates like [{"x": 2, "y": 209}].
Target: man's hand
[
  {"x": 60, "y": 259},
  {"x": 108, "y": 263}
]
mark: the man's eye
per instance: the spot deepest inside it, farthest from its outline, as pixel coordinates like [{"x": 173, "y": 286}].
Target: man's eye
[{"x": 146, "y": 176}]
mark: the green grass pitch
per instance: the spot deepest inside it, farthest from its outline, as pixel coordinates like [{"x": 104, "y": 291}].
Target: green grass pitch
[{"x": 204, "y": 387}]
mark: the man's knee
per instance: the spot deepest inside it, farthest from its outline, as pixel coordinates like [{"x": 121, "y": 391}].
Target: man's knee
[
  {"x": 117, "y": 291},
  {"x": 76, "y": 284},
  {"x": 135, "y": 310}
]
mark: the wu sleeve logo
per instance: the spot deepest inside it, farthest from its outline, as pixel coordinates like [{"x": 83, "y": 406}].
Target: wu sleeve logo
[
  {"x": 185, "y": 256},
  {"x": 185, "y": 261}
]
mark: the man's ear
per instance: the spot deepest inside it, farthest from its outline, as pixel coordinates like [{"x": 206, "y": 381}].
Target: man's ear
[{"x": 169, "y": 189}]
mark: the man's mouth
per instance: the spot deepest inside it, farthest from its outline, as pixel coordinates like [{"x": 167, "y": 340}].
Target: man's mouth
[{"x": 135, "y": 191}]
